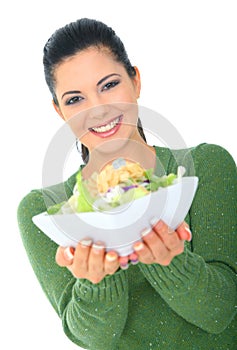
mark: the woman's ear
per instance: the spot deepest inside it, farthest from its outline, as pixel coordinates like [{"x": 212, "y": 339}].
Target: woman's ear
[
  {"x": 58, "y": 110},
  {"x": 137, "y": 81}
]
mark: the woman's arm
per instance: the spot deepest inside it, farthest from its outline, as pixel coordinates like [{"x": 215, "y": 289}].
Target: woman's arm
[
  {"x": 200, "y": 284},
  {"x": 93, "y": 315},
  {"x": 96, "y": 314}
]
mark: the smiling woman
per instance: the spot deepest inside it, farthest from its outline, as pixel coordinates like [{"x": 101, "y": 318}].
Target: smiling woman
[
  {"x": 105, "y": 99},
  {"x": 92, "y": 58},
  {"x": 103, "y": 95},
  {"x": 179, "y": 292}
]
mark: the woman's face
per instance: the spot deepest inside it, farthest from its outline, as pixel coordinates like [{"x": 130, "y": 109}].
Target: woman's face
[{"x": 97, "y": 98}]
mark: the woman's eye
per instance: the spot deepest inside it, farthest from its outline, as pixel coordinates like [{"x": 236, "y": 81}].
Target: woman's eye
[
  {"x": 110, "y": 85},
  {"x": 73, "y": 100}
]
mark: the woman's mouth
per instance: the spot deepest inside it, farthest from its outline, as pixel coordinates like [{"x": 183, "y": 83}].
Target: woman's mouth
[{"x": 107, "y": 129}]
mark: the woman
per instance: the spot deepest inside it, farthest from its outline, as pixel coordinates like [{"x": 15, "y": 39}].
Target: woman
[{"x": 177, "y": 293}]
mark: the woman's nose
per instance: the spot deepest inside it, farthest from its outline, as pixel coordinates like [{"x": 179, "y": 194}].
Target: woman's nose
[{"x": 99, "y": 111}]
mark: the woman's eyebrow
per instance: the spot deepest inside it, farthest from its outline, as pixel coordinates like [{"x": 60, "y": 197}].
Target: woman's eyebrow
[
  {"x": 106, "y": 77},
  {"x": 70, "y": 92}
]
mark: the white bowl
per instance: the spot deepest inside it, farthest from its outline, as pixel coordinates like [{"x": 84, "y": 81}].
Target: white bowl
[{"x": 120, "y": 228}]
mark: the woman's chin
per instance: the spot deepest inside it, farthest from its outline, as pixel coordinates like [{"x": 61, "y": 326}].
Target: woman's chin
[{"x": 111, "y": 147}]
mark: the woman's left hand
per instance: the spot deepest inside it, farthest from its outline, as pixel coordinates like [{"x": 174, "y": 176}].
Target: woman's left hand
[{"x": 161, "y": 244}]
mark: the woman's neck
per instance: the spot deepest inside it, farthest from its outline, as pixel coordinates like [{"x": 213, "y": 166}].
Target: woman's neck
[{"x": 134, "y": 151}]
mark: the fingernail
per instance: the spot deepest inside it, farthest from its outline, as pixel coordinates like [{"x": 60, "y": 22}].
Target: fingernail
[
  {"x": 145, "y": 231},
  {"x": 111, "y": 256},
  {"x": 134, "y": 262},
  {"x": 190, "y": 234},
  {"x": 68, "y": 253},
  {"x": 134, "y": 259},
  {"x": 154, "y": 222},
  {"x": 170, "y": 230},
  {"x": 97, "y": 247},
  {"x": 133, "y": 256},
  {"x": 124, "y": 266},
  {"x": 86, "y": 242},
  {"x": 138, "y": 246}
]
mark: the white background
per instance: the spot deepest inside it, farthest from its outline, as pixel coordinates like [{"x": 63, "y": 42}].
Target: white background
[{"x": 186, "y": 52}]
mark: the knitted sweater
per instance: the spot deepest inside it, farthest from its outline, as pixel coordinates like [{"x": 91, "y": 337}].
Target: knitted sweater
[{"x": 189, "y": 305}]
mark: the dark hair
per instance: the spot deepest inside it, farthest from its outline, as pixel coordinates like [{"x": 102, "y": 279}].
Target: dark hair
[{"x": 78, "y": 36}]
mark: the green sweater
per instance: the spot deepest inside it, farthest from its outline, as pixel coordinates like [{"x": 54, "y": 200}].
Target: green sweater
[{"x": 189, "y": 305}]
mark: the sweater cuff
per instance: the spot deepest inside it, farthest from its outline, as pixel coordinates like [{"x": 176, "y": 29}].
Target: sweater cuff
[
  {"x": 110, "y": 289},
  {"x": 179, "y": 277}
]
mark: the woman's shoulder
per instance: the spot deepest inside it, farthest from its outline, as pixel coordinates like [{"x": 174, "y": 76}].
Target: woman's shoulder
[
  {"x": 193, "y": 158},
  {"x": 207, "y": 155},
  {"x": 204, "y": 150},
  {"x": 200, "y": 150},
  {"x": 38, "y": 200}
]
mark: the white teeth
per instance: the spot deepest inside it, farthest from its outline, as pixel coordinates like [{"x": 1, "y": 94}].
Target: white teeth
[{"x": 108, "y": 126}]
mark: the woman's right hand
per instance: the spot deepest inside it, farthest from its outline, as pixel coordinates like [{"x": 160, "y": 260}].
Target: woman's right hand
[{"x": 89, "y": 261}]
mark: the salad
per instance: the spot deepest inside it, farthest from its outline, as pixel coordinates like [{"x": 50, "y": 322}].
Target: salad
[{"x": 117, "y": 184}]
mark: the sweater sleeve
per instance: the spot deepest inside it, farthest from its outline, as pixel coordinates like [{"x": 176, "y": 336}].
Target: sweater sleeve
[
  {"x": 200, "y": 285},
  {"x": 93, "y": 316}
]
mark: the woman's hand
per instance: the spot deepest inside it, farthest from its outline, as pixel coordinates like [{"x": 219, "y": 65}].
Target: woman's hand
[
  {"x": 161, "y": 244},
  {"x": 90, "y": 261}
]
